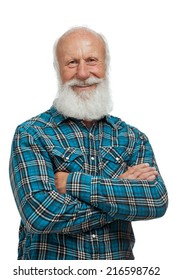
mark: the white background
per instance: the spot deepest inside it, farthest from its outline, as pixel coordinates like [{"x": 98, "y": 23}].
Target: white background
[{"x": 140, "y": 37}]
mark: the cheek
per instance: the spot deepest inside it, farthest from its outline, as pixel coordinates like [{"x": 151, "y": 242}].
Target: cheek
[
  {"x": 100, "y": 72},
  {"x": 103, "y": 73},
  {"x": 67, "y": 74}
]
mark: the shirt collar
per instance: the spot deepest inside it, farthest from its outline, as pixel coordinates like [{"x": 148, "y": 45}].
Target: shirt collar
[
  {"x": 113, "y": 121},
  {"x": 58, "y": 118}
]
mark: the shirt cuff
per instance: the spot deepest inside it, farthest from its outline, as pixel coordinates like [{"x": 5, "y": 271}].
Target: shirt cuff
[{"x": 79, "y": 186}]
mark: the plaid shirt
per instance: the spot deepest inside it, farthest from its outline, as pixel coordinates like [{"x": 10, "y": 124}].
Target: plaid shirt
[{"x": 93, "y": 219}]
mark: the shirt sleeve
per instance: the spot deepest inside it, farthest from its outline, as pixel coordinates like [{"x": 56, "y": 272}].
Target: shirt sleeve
[
  {"x": 41, "y": 207},
  {"x": 124, "y": 199}
]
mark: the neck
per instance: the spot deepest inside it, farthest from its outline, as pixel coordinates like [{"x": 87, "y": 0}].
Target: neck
[{"x": 88, "y": 123}]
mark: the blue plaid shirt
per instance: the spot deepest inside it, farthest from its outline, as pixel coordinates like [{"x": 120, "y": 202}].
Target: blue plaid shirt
[{"x": 93, "y": 219}]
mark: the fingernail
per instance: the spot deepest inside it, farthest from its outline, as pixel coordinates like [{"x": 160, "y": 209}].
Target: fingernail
[{"x": 147, "y": 164}]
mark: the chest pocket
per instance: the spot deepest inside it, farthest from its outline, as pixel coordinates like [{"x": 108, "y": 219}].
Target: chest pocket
[
  {"x": 113, "y": 161},
  {"x": 69, "y": 159}
]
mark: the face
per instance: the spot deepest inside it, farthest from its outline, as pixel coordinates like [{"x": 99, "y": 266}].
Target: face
[{"x": 81, "y": 55}]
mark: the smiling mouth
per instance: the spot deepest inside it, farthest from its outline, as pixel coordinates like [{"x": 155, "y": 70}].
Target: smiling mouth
[{"x": 84, "y": 87}]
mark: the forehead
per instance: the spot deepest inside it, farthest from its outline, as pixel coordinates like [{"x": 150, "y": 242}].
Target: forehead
[{"x": 80, "y": 43}]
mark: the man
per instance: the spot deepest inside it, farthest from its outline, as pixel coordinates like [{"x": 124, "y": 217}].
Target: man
[{"x": 80, "y": 176}]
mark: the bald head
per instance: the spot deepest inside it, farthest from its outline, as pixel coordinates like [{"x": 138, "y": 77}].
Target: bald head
[
  {"x": 81, "y": 31},
  {"x": 81, "y": 53}
]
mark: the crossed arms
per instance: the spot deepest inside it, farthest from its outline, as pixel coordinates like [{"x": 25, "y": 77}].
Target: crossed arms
[
  {"x": 141, "y": 171},
  {"x": 75, "y": 202}
]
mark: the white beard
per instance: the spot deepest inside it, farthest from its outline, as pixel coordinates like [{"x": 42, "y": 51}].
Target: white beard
[{"x": 87, "y": 105}]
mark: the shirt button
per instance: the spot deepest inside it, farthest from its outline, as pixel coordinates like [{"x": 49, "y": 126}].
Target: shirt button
[
  {"x": 92, "y": 158},
  {"x": 117, "y": 159},
  {"x": 90, "y": 134},
  {"x": 93, "y": 236},
  {"x": 67, "y": 158}
]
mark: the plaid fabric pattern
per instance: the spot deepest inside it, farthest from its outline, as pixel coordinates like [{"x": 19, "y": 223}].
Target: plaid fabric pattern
[{"x": 93, "y": 219}]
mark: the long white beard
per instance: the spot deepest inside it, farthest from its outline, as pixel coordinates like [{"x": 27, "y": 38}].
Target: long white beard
[{"x": 87, "y": 105}]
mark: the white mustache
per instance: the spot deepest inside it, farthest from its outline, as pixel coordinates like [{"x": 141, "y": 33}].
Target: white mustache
[{"x": 88, "y": 82}]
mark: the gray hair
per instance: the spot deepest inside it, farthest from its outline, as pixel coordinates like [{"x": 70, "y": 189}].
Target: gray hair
[{"x": 80, "y": 28}]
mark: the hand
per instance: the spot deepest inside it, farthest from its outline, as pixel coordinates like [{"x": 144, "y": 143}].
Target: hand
[
  {"x": 141, "y": 171},
  {"x": 61, "y": 181}
]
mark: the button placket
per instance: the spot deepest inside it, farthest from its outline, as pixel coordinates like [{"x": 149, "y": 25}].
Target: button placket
[
  {"x": 92, "y": 153},
  {"x": 94, "y": 238}
]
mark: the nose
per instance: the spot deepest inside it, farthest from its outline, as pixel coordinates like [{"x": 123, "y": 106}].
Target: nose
[{"x": 83, "y": 72}]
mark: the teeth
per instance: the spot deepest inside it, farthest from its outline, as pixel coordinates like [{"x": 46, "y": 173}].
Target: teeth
[{"x": 82, "y": 86}]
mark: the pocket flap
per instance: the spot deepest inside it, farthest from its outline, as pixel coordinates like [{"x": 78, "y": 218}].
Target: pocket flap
[
  {"x": 117, "y": 154},
  {"x": 68, "y": 154}
]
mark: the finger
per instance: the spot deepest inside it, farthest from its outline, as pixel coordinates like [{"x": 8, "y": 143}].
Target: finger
[
  {"x": 140, "y": 168},
  {"x": 137, "y": 174},
  {"x": 147, "y": 175},
  {"x": 133, "y": 168},
  {"x": 151, "y": 178},
  {"x": 140, "y": 171},
  {"x": 133, "y": 172},
  {"x": 147, "y": 169},
  {"x": 141, "y": 165}
]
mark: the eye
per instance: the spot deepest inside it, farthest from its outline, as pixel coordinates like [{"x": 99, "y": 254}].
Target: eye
[
  {"x": 72, "y": 63},
  {"x": 92, "y": 61}
]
